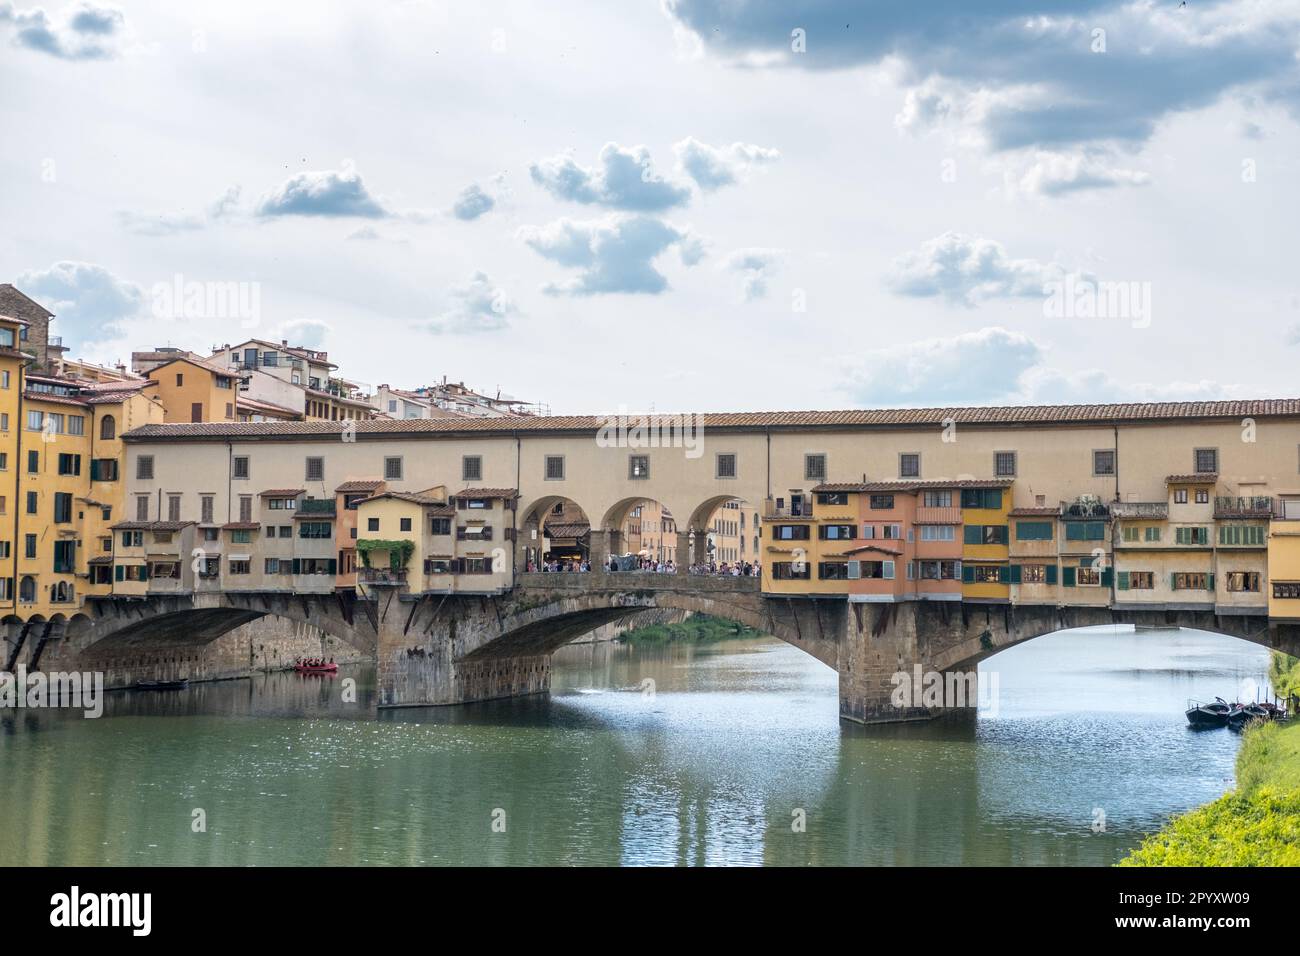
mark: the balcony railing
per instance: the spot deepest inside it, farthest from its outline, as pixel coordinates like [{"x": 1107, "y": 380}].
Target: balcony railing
[
  {"x": 393, "y": 577},
  {"x": 803, "y": 510},
  {"x": 1158, "y": 510},
  {"x": 1083, "y": 509},
  {"x": 1256, "y": 506}
]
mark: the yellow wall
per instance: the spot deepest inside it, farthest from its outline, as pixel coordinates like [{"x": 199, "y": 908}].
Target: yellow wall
[
  {"x": 198, "y": 386},
  {"x": 1283, "y": 566},
  {"x": 986, "y": 553}
]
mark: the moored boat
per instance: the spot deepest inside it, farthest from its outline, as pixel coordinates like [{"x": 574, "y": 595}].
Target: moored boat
[
  {"x": 179, "y": 684},
  {"x": 1243, "y": 714},
  {"x": 329, "y": 668},
  {"x": 1214, "y": 714}
]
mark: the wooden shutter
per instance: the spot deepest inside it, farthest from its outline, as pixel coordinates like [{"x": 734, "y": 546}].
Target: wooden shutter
[
  {"x": 1051, "y": 574},
  {"x": 1016, "y": 576},
  {"x": 1067, "y": 576},
  {"x": 1123, "y": 581},
  {"x": 968, "y": 574}
]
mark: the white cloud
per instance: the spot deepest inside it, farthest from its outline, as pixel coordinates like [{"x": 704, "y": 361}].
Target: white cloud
[
  {"x": 623, "y": 179},
  {"x": 84, "y": 31},
  {"x": 225, "y": 207},
  {"x": 472, "y": 203},
  {"x": 477, "y": 306},
  {"x": 614, "y": 254},
  {"x": 331, "y": 192},
  {"x": 88, "y": 301},
  {"x": 1055, "y": 174},
  {"x": 996, "y": 366},
  {"x": 756, "y": 266},
  {"x": 713, "y": 167},
  {"x": 308, "y": 333},
  {"x": 969, "y": 269}
]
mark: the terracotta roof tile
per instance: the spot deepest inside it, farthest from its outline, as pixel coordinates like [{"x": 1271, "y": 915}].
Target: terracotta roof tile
[
  {"x": 282, "y": 492},
  {"x": 913, "y": 485},
  {"x": 150, "y": 525},
  {"x": 1205, "y": 478},
  {"x": 488, "y": 493},
  {"x": 241, "y": 526},
  {"x": 358, "y": 484},
  {"x": 1036, "y": 512},
  {"x": 994, "y": 416}
]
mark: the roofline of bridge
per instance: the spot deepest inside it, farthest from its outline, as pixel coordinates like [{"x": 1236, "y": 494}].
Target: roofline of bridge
[{"x": 852, "y": 420}]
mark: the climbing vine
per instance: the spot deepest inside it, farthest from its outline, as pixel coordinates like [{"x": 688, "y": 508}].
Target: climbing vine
[{"x": 399, "y": 552}]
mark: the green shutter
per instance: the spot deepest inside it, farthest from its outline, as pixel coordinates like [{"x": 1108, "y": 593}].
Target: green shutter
[
  {"x": 1123, "y": 581},
  {"x": 119, "y": 573},
  {"x": 1016, "y": 575},
  {"x": 1107, "y": 577},
  {"x": 973, "y": 534},
  {"x": 1173, "y": 580},
  {"x": 1067, "y": 576},
  {"x": 1004, "y": 575},
  {"x": 144, "y": 572},
  {"x": 1051, "y": 574},
  {"x": 296, "y": 564},
  {"x": 968, "y": 574},
  {"x": 332, "y": 566},
  {"x": 1210, "y": 581}
]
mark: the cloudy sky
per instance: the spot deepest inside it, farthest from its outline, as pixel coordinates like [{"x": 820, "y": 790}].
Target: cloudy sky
[{"x": 688, "y": 205}]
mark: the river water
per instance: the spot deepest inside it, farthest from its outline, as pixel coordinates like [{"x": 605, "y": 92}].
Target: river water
[{"x": 727, "y": 753}]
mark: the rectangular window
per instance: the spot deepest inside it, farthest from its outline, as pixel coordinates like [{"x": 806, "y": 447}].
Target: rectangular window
[
  {"x": 62, "y": 507},
  {"x": 790, "y": 532},
  {"x": 241, "y": 536},
  {"x": 439, "y": 526},
  {"x": 800, "y": 571},
  {"x": 205, "y": 509},
  {"x": 1088, "y": 577},
  {"x": 836, "y": 532},
  {"x": 69, "y": 464},
  {"x": 985, "y": 534},
  {"x": 141, "y": 507},
  {"x": 554, "y": 470},
  {"x": 832, "y": 498},
  {"x": 240, "y": 567},
  {"x": 1180, "y": 496},
  {"x": 29, "y": 546},
  {"x": 814, "y": 467},
  {"x": 726, "y": 465},
  {"x": 1190, "y": 581},
  {"x": 1004, "y": 464},
  {"x": 833, "y": 570},
  {"x": 393, "y": 469},
  {"x": 35, "y": 420},
  {"x": 471, "y": 468},
  {"x": 1152, "y": 533},
  {"x": 173, "y": 507},
  {"x": 1033, "y": 574},
  {"x": 1034, "y": 530},
  {"x": 315, "y": 468},
  {"x": 938, "y": 532},
  {"x": 1192, "y": 536},
  {"x": 986, "y": 574},
  {"x": 404, "y": 524},
  {"x": 144, "y": 468},
  {"x": 33, "y": 462},
  {"x": 987, "y": 499},
  {"x": 1085, "y": 531},
  {"x": 1103, "y": 462},
  {"x": 33, "y": 503},
  {"x": 245, "y": 507},
  {"x": 1205, "y": 461},
  {"x": 372, "y": 524},
  {"x": 239, "y": 468},
  {"x": 638, "y": 467},
  {"x": 937, "y": 499},
  {"x": 909, "y": 465},
  {"x": 1202, "y": 496},
  {"x": 76, "y": 425},
  {"x": 882, "y": 502},
  {"x": 1243, "y": 581}
]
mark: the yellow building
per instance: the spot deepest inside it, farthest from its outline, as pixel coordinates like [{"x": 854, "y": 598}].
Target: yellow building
[
  {"x": 985, "y": 553},
  {"x": 192, "y": 390},
  {"x": 12, "y": 363}
]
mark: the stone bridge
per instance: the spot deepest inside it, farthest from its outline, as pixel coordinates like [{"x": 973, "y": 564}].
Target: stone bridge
[{"x": 437, "y": 649}]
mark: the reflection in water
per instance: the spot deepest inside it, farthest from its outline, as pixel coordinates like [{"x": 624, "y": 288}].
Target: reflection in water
[{"x": 667, "y": 755}]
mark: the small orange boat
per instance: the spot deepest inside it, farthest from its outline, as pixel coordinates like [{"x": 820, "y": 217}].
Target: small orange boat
[{"x": 316, "y": 668}]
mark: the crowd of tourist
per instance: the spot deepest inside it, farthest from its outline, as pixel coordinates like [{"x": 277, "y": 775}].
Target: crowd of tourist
[{"x": 646, "y": 565}]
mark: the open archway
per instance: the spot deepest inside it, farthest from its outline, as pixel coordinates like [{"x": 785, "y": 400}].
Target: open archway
[
  {"x": 641, "y": 534},
  {"x": 725, "y": 533},
  {"x": 555, "y": 534}
]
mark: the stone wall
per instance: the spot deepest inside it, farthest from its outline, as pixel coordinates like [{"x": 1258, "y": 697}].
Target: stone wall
[{"x": 266, "y": 644}]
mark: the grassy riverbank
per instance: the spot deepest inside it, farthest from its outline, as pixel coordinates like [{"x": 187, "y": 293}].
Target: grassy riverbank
[
  {"x": 1258, "y": 824},
  {"x": 700, "y": 628}
]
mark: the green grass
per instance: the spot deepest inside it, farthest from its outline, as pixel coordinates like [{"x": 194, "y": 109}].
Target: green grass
[
  {"x": 701, "y": 628},
  {"x": 1256, "y": 825}
]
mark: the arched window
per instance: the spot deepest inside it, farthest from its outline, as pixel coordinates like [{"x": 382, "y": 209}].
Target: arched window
[
  {"x": 107, "y": 428},
  {"x": 27, "y": 590}
]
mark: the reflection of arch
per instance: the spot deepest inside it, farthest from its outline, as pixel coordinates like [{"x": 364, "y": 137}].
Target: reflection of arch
[{"x": 107, "y": 428}]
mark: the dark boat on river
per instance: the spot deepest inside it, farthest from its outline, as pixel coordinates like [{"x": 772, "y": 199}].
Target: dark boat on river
[
  {"x": 1208, "y": 715},
  {"x": 179, "y": 684},
  {"x": 1244, "y": 714}
]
